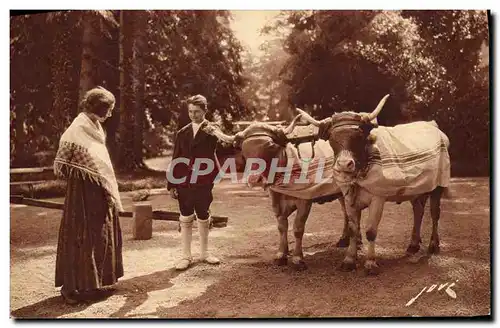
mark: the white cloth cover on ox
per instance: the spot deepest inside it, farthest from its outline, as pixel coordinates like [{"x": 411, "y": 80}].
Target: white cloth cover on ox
[
  {"x": 407, "y": 159},
  {"x": 317, "y": 180}
]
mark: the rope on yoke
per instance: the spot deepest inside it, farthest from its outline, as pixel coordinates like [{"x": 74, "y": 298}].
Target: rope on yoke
[{"x": 313, "y": 142}]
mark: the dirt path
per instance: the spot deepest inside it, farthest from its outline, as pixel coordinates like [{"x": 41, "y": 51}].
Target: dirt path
[{"x": 248, "y": 284}]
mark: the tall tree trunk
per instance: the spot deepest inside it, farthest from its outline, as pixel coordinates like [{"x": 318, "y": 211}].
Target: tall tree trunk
[
  {"x": 90, "y": 34},
  {"x": 140, "y": 32},
  {"x": 64, "y": 78},
  {"x": 127, "y": 156},
  {"x": 20, "y": 141},
  {"x": 112, "y": 78}
]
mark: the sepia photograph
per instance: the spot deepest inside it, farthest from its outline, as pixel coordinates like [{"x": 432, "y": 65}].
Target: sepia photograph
[{"x": 250, "y": 164}]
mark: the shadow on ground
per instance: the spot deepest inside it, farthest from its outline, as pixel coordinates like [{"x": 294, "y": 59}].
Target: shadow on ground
[{"x": 135, "y": 291}]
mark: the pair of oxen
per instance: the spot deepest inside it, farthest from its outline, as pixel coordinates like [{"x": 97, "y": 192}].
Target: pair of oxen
[{"x": 348, "y": 134}]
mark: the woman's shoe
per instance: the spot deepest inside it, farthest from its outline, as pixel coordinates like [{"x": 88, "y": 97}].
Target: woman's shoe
[{"x": 70, "y": 297}]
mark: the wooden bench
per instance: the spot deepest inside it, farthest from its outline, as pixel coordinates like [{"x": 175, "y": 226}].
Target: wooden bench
[
  {"x": 143, "y": 215},
  {"x": 31, "y": 170},
  {"x": 31, "y": 183}
]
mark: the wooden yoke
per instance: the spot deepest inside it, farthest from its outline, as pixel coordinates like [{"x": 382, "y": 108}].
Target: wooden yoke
[{"x": 302, "y": 132}]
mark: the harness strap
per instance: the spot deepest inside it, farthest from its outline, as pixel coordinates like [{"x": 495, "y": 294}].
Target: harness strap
[
  {"x": 352, "y": 123},
  {"x": 277, "y": 139},
  {"x": 312, "y": 146}
]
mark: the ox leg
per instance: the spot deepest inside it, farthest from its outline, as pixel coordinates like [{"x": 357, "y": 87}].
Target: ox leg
[
  {"x": 435, "y": 214},
  {"x": 374, "y": 216},
  {"x": 282, "y": 255},
  {"x": 349, "y": 262},
  {"x": 303, "y": 210},
  {"x": 344, "y": 240},
  {"x": 418, "y": 213},
  {"x": 282, "y": 209}
]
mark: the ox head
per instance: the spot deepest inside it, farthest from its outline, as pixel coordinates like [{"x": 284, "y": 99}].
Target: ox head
[
  {"x": 349, "y": 136},
  {"x": 258, "y": 141}
]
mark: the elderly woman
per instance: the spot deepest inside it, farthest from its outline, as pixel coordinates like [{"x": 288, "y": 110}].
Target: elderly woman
[{"x": 89, "y": 250}]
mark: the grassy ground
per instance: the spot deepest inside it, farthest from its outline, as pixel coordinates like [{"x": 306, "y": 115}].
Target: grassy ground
[{"x": 248, "y": 284}]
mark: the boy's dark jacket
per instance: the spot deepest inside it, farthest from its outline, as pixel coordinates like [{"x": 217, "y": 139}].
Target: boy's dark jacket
[{"x": 203, "y": 145}]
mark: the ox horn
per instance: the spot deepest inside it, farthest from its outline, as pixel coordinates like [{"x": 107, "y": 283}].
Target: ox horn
[
  {"x": 310, "y": 119},
  {"x": 377, "y": 110},
  {"x": 290, "y": 127}
]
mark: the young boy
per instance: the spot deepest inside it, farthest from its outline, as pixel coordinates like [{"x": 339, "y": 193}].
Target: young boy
[{"x": 194, "y": 146}]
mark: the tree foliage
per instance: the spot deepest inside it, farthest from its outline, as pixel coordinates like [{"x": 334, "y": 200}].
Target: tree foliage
[
  {"x": 193, "y": 52},
  {"x": 174, "y": 54},
  {"x": 457, "y": 41},
  {"x": 265, "y": 94},
  {"x": 429, "y": 61},
  {"x": 433, "y": 63}
]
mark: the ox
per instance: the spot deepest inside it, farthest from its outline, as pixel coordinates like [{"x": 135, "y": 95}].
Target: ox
[
  {"x": 266, "y": 142},
  {"x": 399, "y": 175}
]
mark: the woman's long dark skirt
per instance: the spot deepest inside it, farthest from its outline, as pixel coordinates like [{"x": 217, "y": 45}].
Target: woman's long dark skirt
[{"x": 89, "y": 251}]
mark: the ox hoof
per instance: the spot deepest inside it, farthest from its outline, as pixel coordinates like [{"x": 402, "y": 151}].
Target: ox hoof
[
  {"x": 412, "y": 249},
  {"x": 299, "y": 264},
  {"x": 347, "y": 266},
  {"x": 281, "y": 261},
  {"x": 433, "y": 249},
  {"x": 371, "y": 268},
  {"x": 343, "y": 242}
]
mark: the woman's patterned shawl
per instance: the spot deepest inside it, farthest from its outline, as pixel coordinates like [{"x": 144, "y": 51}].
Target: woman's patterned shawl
[{"x": 82, "y": 153}]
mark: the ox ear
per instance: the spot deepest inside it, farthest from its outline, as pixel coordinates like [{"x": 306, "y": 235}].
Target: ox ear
[{"x": 367, "y": 129}]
